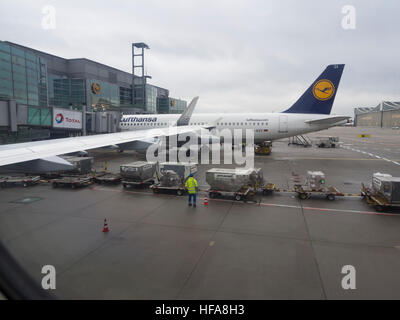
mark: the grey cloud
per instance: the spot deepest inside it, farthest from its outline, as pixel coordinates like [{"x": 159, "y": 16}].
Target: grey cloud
[{"x": 237, "y": 55}]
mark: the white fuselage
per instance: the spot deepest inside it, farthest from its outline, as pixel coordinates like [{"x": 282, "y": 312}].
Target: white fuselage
[{"x": 266, "y": 126}]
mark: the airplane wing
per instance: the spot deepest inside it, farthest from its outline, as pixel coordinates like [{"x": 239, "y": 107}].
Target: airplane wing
[
  {"x": 21, "y": 152},
  {"x": 330, "y": 120},
  {"x": 49, "y": 149}
]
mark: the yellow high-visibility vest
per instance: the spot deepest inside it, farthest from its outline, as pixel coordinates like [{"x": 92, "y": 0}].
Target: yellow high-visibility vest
[{"x": 191, "y": 185}]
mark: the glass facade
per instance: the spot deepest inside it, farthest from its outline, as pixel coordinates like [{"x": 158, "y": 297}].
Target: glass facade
[
  {"x": 151, "y": 99},
  {"x": 103, "y": 95},
  {"x": 170, "y": 105},
  {"x": 64, "y": 92},
  {"x": 23, "y": 76},
  {"x": 125, "y": 96}
]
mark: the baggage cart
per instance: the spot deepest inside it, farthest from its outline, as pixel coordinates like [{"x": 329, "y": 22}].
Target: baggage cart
[
  {"x": 379, "y": 202},
  {"x": 25, "y": 181},
  {"x": 72, "y": 181},
  {"x": 243, "y": 194},
  {"x": 126, "y": 183},
  {"x": 304, "y": 192},
  {"x": 158, "y": 188},
  {"x": 107, "y": 178}
]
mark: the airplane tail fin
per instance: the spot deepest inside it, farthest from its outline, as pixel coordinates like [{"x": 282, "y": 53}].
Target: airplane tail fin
[{"x": 319, "y": 97}]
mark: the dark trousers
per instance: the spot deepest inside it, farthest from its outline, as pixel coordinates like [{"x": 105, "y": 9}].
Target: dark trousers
[{"x": 192, "y": 195}]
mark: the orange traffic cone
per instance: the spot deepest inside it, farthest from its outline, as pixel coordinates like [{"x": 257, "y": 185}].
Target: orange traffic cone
[
  {"x": 205, "y": 201},
  {"x": 105, "y": 228}
]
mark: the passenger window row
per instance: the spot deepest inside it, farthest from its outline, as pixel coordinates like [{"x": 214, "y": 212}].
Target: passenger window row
[{"x": 163, "y": 124}]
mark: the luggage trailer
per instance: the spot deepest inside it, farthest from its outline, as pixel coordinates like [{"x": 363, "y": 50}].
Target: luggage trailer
[
  {"x": 107, "y": 178},
  {"x": 239, "y": 195},
  {"x": 376, "y": 200},
  {"x": 330, "y": 192},
  {"x": 72, "y": 181},
  {"x": 126, "y": 183},
  {"x": 158, "y": 188},
  {"x": 25, "y": 181}
]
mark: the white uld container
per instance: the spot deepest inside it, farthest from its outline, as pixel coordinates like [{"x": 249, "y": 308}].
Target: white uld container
[
  {"x": 232, "y": 180},
  {"x": 81, "y": 165},
  {"x": 316, "y": 180},
  {"x": 183, "y": 169},
  {"x": 138, "y": 170}
]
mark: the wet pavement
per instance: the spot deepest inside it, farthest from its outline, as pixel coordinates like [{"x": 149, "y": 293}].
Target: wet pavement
[{"x": 159, "y": 248}]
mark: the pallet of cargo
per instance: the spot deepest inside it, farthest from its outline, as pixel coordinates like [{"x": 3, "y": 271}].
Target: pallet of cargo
[
  {"x": 25, "y": 181},
  {"x": 126, "y": 183},
  {"x": 330, "y": 193},
  {"x": 72, "y": 181},
  {"x": 376, "y": 200},
  {"x": 241, "y": 195},
  {"x": 107, "y": 178},
  {"x": 158, "y": 188}
]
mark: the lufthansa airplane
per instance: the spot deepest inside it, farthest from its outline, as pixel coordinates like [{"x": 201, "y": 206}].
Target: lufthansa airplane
[{"x": 311, "y": 112}]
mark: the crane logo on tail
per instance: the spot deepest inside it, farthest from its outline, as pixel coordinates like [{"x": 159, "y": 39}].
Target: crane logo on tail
[{"x": 323, "y": 89}]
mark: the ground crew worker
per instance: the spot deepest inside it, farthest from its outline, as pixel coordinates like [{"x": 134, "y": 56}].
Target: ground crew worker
[{"x": 191, "y": 187}]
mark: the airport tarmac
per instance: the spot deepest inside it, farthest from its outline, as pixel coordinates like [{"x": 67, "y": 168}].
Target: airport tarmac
[{"x": 159, "y": 248}]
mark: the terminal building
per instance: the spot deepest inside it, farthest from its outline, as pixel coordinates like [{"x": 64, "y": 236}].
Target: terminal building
[
  {"x": 36, "y": 86},
  {"x": 170, "y": 105},
  {"x": 384, "y": 115}
]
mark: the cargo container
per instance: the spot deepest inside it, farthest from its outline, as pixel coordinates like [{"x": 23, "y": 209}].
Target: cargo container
[
  {"x": 233, "y": 180},
  {"x": 138, "y": 171},
  {"x": 170, "y": 178},
  {"x": 387, "y": 186},
  {"x": 169, "y": 181},
  {"x": 316, "y": 180},
  {"x": 182, "y": 169},
  {"x": 82, "y": 165}
]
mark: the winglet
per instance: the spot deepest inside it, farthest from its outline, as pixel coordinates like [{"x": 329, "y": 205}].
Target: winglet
[{"x": 187, "y": 114}]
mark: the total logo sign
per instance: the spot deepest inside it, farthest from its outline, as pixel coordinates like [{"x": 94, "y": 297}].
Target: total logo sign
[
  {"x": 59, "y": 117},
  {"x": 67, "y": 119}
]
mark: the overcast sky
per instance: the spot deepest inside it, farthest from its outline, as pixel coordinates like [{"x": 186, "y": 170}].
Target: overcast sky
[{"x": 238, "y": 56}]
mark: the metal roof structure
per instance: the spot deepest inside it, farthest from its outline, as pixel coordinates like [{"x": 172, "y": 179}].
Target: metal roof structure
[{"x": 383, "y": 106}]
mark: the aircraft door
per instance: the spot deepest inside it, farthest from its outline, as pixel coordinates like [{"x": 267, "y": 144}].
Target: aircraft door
[{"x": 283, "y": 124}]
